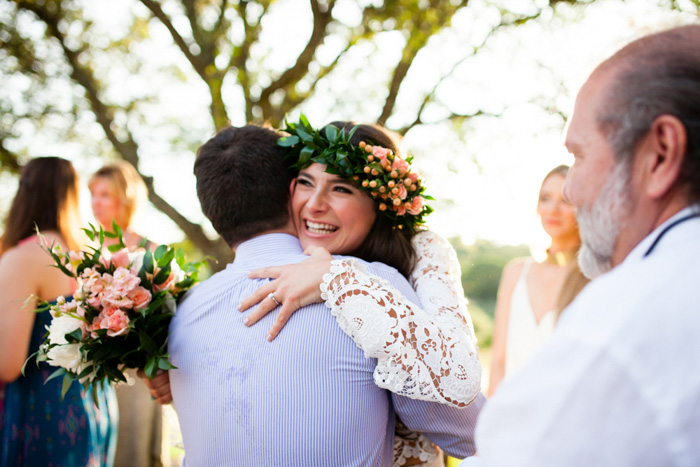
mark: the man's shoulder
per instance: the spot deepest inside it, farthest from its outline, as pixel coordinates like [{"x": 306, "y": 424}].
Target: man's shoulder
[{"x": 204, "y": 288}]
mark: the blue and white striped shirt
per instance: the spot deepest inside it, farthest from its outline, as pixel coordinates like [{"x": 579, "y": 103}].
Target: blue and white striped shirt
[{"x": 307, "y": 398}]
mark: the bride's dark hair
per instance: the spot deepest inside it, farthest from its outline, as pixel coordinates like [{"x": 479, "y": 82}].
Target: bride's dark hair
[{"x": 384, "y": 243}]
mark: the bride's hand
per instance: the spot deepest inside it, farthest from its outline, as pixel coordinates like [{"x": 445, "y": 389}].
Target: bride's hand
[{"x": 294, "y": 286}]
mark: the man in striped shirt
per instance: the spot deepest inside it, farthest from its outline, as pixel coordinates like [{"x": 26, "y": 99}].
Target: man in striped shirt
[{"x": 308, "y": 397}]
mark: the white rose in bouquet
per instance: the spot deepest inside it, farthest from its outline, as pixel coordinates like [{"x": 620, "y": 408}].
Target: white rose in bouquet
[
  {"x": 136, "y": 259},
  {"x": 64, "y": 354},
  {"x": 178, "y": 274}
]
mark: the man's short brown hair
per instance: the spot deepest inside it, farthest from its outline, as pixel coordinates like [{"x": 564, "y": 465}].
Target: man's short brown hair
[{"x": 243, "y": 182}]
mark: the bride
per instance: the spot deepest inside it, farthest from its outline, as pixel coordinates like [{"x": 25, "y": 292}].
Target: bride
[
  {"x": 424, "y": 352},
  {"x": 355, "y": 195}
]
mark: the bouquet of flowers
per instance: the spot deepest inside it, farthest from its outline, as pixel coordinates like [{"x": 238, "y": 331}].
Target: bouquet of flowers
[{"x": 120, "y": 313}]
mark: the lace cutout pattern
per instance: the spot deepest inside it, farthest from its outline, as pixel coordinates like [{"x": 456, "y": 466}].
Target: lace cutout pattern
[
  {"x": 409, "y": 445},
  {"x": 427, "y": 353}
]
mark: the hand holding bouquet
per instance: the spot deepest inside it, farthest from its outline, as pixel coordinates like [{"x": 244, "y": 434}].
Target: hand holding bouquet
[{"x": 120, "y": 313}]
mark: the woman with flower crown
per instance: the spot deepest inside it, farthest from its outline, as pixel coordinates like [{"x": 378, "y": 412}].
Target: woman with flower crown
[
  {"x": 424, "y": 352},
  {"x": 355, "y": 195}
]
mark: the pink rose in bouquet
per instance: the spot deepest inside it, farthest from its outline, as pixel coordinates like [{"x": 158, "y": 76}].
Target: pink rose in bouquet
[
  {"x": 120, "y": 314},
  {"x": 140, "y": 297}
]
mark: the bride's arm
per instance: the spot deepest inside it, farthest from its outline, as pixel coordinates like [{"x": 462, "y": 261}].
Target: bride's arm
[{"x": 427, "y": 353}]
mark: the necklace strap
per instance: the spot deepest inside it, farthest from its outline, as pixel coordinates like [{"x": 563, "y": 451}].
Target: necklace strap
[{"x": 669, "y": 227}]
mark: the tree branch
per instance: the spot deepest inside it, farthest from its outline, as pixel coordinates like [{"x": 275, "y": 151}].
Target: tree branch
[
  {"x": 293, "y": 99},
  {"x": 221, "y": 20},
  {"x": 218, "y": 249},
  {"x": 239, "y": 57},
  {"x": 300, "y": 68},
  {"x": 422, "y": 30},
  {"x": 431, "y": 94},
  {"x": 177, "y": 38},
  {"x": 128, "y": 149},
  {"x": 8, "y": 160},
  {"x": 191, "y": 13}
]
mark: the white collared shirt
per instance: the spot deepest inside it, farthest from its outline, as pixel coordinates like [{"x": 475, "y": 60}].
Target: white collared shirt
[{"x": 619, "y": 382}]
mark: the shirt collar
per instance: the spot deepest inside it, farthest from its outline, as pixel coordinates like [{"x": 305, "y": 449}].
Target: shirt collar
[
  {"x": 638, "y": 252},
  {"x": 266, "y": 250}
]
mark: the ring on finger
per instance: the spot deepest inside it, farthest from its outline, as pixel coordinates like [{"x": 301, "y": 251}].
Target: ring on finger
[{"x": 272, "y": 297}]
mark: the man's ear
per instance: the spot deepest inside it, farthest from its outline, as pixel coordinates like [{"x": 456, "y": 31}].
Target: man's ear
[{"x": 666, "y": 145}]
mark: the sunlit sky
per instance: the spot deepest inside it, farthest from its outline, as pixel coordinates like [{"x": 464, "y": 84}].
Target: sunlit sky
[{"x": 485, "y": 182}]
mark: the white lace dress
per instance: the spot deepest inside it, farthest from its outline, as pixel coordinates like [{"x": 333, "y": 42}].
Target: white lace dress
[{"x": 427, "y": 352}]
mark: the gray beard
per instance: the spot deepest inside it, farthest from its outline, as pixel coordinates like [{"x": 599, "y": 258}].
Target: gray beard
[{"x": 600, "y": 224}]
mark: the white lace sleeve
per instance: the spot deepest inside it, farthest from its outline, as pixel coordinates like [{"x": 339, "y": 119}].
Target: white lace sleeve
[
  {"x": 412, "y": 446},
  {"x": 429, "y": 353}
]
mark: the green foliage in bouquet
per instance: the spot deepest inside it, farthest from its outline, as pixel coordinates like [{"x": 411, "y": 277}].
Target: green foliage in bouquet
[{"x": 121, "y": 311}]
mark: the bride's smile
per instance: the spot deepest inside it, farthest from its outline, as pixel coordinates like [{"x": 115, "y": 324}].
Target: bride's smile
[{"x": 318, "y": 228}]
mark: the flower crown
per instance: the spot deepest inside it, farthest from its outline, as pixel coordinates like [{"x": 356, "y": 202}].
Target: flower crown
[{"x": 385, "y": 176}]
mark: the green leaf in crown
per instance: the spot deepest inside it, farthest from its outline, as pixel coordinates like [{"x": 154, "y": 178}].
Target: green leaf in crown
[{"x": 384, "y": 176}]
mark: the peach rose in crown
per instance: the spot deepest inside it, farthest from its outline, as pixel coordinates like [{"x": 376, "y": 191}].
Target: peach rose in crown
[
  {"x": 400, "y": 166},
  {"x": 382, "y": 154},
  {"x": 416, "y": 206},
  {"x": 413, "y": 177},
  {"x": 402, "y": 191}
]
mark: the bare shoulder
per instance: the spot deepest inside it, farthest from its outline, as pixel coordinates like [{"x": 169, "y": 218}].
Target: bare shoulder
[
  {"x": 512, "y": 270},
  {"x": 22, "y": 268},
  {"x": 23, "y": 257}
]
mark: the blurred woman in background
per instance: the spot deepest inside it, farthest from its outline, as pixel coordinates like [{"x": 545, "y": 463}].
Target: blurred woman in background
[
  {"x": 117, "y": 192},
  {"x": 532, "y": 294},
  {"x": 38, "y": 426}
]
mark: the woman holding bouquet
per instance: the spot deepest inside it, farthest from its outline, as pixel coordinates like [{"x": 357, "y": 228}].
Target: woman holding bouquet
[
  {"x": 38, "y": 426},
  {"x": 117, "y": 191}
]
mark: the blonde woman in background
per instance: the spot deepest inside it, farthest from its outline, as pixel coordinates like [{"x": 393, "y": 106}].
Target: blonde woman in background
[
  {"x": 532, "y": 294},
  {"x": 117, "y": 192}
]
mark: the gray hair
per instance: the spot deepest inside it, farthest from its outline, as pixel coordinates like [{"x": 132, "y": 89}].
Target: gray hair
[{"x": 653, "y": 76}]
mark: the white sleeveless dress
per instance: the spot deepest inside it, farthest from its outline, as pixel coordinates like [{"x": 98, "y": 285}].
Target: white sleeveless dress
[{"x": 525, "y": 334}]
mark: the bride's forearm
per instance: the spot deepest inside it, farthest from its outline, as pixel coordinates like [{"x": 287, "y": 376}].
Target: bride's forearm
[{"x": 420, "y": 356}]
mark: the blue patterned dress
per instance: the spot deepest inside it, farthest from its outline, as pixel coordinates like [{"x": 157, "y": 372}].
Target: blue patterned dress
[{"x": 37, "y": 428}]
